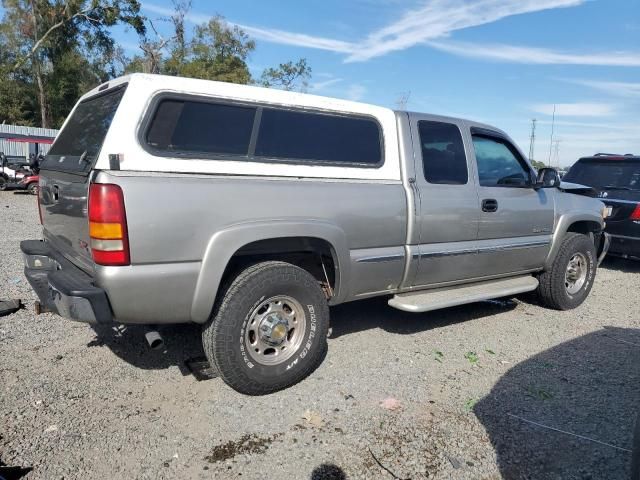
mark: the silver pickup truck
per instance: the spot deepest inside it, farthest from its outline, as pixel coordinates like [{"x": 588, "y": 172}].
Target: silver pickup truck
[{"x": 251, "y": 211}]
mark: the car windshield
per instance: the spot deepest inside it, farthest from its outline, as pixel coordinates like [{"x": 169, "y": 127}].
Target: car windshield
[
  {"x": 78, "y": 144},
  {"x": 606, "y": 174}
]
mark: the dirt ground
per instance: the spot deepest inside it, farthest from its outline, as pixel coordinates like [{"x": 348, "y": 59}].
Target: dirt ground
[{"x": 502, "y": 389}]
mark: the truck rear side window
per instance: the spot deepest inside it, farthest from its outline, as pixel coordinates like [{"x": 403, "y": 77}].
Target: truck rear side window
[
  {"x": 443, "y": 157},
  {"x": 303, "y": 137},
  {"x": 201, "y": 127}
]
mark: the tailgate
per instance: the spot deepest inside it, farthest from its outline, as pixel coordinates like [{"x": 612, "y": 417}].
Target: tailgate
[{"x": 65, "y": 175}]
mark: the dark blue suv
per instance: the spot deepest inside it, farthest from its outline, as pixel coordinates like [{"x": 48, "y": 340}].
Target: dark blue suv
[{"x": 616, "y": 181}]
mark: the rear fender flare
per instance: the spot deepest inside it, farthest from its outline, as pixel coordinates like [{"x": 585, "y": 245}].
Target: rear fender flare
[{"x": 225, "y": 243}]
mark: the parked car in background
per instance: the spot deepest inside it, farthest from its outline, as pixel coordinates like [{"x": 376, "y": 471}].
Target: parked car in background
[
  {"x": 616, "y": 181},
  {"x": 250, "y": 211},
  {"x": 28, "y": 183},
  {"x": 10, "y": 174}
]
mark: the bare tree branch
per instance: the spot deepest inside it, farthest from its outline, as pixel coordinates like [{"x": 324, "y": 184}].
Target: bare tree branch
[{"x": 41, "y": 40}]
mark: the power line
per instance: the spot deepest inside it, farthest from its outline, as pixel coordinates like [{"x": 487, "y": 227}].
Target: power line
[
  {"x": 553, "y": 125},
  {"x": 532, "y": 142}
]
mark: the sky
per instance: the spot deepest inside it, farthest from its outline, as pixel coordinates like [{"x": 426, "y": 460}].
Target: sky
[{"x": 502, "y": 62}]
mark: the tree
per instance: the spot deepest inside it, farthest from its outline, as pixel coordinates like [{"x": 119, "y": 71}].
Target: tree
[
  {"x": 63, "y": 47},
  {"x": 288, "y": 76},
  {"x": 215, "y": 50},
  {"x": 537, "y": 164}
]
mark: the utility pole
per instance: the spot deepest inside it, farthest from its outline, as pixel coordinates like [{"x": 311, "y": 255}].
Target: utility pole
[
  {"x": 553, "y": 125},
  {"x": 557, "y": 152},
  {"x": 533, "y": 139}
]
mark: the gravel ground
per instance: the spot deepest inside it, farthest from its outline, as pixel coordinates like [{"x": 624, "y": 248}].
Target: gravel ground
[{"x": 447, "y": 394}]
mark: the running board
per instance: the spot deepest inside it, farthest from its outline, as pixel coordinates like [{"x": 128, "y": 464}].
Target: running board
[{"x": 427, "y": 300}]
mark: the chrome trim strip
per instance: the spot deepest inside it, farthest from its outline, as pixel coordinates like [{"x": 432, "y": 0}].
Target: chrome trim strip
[
  {"x": 449, "y": 253},
  {"x": 514, "y": 246},
  {"x": 499, "y": 248},
  {"x": 380, "y": 258}
]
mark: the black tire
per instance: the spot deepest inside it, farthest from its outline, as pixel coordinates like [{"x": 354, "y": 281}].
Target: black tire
[
  {"x": 3, "y": 183},
  {"x": 553, "y": 291},
  {"x": 225, "y": 339},
  {"x": 32, "y": 188}
]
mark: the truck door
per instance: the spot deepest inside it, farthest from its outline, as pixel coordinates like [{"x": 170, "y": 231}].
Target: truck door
[
  {"x": 516, "y": 220},
  {"x": 447, "y": 206}
]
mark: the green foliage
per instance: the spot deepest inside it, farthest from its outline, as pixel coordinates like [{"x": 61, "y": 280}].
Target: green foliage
[
  {"x": 215, "y": 50},
  {"x": 539, "y": 393},
  {"x": 537, "y": 164},
  {"x": 470, "y": 404},
  {"x": 288, "y": 76},
  {"x": 53, "y": 51},
  {"x": 472, "y": 357}
]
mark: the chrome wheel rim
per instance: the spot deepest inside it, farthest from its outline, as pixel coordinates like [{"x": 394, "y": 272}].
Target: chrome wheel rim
[
  {"x": 275, "y": 330},
  {"x": 576, "y": 274}
]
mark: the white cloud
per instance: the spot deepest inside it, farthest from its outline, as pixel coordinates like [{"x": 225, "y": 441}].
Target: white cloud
[
  {"x": 356, "y": 92},
  {"x": 323, "y": 84},
  {"x": 434, "y": 19},
  {"x": 622, "y": 89},
  {"x": 532, "y": 55},
  {"x": 438, "y": 18},
  {"x": 575, "y": 109},
  {"x": 297, "y": 39}
]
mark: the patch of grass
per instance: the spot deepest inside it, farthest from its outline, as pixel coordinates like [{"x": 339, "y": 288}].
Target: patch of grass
[
  {"x": 438, "y": 356},
  {"x": 469, "y": 404},
  {"x": 472, "y": 357},
  {"x": 539, "y": 393}
]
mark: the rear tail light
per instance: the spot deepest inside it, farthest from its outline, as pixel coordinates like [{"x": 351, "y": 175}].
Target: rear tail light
[
  {"x": 108, "y": 225},
  {"x": 636, "y": 213}
]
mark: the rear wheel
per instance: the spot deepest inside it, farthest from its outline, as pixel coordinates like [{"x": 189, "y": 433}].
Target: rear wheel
[
  {"x": 32, "y": 188},
  {"x": 269, "y": 330},
  {"x": 3, "y": 183},
  {"x": 569, "y": 280}
]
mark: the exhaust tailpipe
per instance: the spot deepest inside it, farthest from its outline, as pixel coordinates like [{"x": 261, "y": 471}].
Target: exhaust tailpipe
[{"x": 154, "y": 339}]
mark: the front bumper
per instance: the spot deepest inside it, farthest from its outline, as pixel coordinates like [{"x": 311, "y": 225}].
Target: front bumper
[
  {"x": 625, "y": 246},
  {"x": 62, "y": 287}
]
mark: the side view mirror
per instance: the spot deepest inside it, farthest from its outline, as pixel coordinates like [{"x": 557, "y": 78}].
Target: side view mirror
[{"x": 547, "y": 178}]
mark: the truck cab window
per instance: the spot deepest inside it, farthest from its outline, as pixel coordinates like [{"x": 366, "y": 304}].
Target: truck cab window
[
  {"x": 443, "y": 158},
  {"x": 499, "y": 164}
]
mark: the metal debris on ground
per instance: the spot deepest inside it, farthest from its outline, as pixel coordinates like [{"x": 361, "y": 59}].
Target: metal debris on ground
[
  {"x": 201, "y": 368},
  {"x": 7, "y": 307}
]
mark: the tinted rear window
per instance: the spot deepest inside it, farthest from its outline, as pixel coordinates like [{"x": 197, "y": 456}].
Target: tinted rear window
[
  {"x": 316, "y": 137},
  {"x": 199, "y": 127},
  {"x": 443, "y": 155},
  {"x": 78, "y": 144},
  {"x": 623, "y": 174}
]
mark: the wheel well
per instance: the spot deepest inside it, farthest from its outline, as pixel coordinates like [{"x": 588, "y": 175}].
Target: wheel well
[
  {"x": 585, "y": 227},
  {"x": 314, "y": 255}
]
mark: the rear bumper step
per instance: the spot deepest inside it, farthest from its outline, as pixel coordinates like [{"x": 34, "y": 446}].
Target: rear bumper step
[
  {"x": 62, "y": 287},
  {"x": 427, "y": 300}
]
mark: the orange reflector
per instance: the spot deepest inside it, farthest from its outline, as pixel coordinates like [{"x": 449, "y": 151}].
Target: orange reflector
[{"x": 105, "y": 231}]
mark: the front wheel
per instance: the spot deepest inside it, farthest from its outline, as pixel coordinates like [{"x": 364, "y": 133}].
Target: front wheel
[
  {"x": 269, "y": 330},
  {"x": 569, "y": 280},
  {"x": 33, "y": 188},
  {"x": 3, "y": 183}
]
